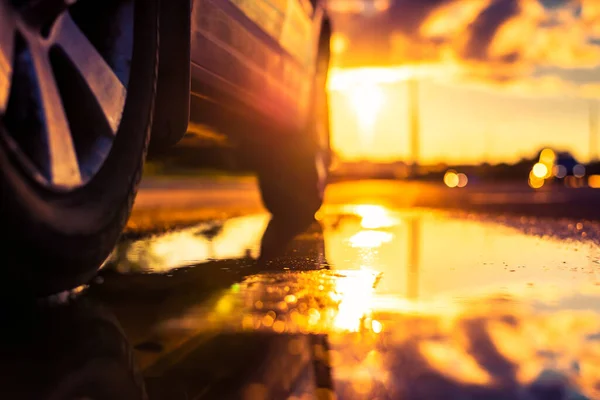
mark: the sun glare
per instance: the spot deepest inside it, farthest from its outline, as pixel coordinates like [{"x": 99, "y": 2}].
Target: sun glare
[
  {"x": 367, "y": 101},
  {"x": 346, "y": 78},
  {"x": 363, "y": 101}
]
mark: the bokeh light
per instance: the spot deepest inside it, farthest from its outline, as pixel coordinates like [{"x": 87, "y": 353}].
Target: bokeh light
[
  {"x": 463, "y": 180},
  {"x": 540, "y": 170},
  {"x": 559, "y": 171},
  {"x": 594, "y": 181},
  {"x": 534, "y": 181},
  {"x": 579, "y": 171},
  {"x": 451, "y": 179},
  {"x": 547, "y": 156}
]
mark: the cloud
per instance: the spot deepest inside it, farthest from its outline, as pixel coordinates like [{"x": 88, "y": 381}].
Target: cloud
[
  {"x": 501, "y": 42},
  {"x": 419, "y": 30},
  {"x": 539, "y": 37},
  {"x": 452, "y": 19}
]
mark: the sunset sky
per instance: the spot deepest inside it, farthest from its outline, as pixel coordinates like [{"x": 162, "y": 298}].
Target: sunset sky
[{"x": 498, "y": 78}]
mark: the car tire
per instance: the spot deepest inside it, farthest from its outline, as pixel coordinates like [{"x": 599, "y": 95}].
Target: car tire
[
  {"x": 293, "y": 177},
  {"x": 56, "y": 240}
]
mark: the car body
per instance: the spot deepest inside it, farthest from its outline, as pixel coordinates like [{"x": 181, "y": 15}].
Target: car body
[{"x": 249, "y": 60}]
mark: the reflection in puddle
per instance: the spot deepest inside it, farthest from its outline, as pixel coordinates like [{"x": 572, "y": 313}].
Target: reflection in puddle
[
  {"x": 415, "y": 304},
  {"x": 496, "y": 350},
  {"x": 292, "y": 302},
  {"x": 230, "y": 239},
  {"x": 429, "y": 256},
  {"x": 422, "y": 257}
]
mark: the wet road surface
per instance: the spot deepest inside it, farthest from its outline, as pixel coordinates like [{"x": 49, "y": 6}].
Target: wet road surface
[
  {"x": 177, "y": 201},
  {"x": 371, "y": 301}
]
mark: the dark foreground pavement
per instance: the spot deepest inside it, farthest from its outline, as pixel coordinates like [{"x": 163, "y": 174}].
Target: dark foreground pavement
[{"x": 377, "y": 299}]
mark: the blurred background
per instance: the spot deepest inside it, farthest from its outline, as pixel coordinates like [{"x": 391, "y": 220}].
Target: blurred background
[{"x": 501, "y": 89}]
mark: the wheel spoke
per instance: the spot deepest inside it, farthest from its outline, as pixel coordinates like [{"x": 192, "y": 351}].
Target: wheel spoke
[
  {"x": 64, "y": 168},
  {"x": 100, "y": 78},
  {"x": 7, "y": 40}
]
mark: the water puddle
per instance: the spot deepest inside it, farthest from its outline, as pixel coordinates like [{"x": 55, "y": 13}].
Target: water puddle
[{"x": 414, "y": 304}]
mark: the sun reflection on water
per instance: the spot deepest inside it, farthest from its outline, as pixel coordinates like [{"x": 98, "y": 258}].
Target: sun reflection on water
[
  {"x": 370, "y": 239},
  {"x": 374, "y": 216},
  {"x": 355, "y": 303}
]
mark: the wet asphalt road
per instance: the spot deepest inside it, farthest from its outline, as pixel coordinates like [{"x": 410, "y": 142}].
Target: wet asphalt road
[
  {"x": 376, "y": 299},
  {"x": 175, "y": 202}
]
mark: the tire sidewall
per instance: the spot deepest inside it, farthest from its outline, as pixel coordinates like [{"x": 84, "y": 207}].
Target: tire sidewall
[{"x": 290, "y": 183}]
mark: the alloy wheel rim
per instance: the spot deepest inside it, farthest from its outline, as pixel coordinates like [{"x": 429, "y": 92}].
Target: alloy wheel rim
[{"x": 63, "y": 85}]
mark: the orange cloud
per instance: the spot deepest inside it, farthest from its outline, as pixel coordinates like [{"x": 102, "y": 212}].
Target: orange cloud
[
  {"x": 501, "y": 42},
  {"x": 540, "y": 37},
  {"x": 452, "y": 19}
]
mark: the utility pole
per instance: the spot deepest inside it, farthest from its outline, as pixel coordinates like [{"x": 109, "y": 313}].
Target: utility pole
[
  {"x": 593, "y": 115},
  {"x": 414, "y": 258},
  {"x": 415, "y": 124}
]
